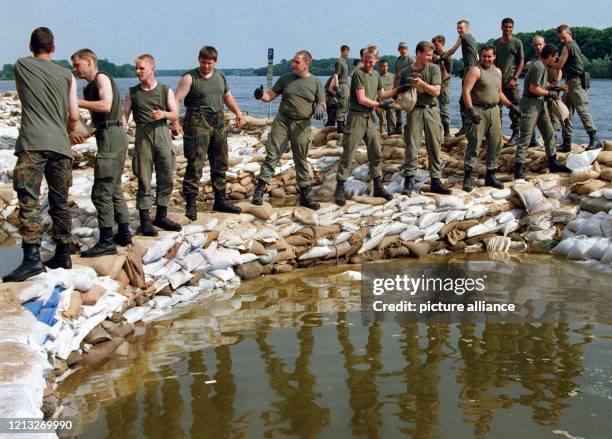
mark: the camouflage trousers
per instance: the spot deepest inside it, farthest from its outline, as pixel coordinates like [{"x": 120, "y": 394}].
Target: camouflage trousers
[
  {"x": 204, "y": 135},
  {"x": 27, "y": 179}
]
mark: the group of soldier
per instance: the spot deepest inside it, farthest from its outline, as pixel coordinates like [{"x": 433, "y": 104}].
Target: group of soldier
[{"x": 50, "y": 112}]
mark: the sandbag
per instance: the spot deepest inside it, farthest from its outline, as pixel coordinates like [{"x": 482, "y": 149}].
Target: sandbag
[
  {"x": 108, "y": 265},
  {"x": 559, "y": 110},
  {"x": 532, "y": 198},
  {"x": 407, "y": 100},
  {"x": 91, "y": 296},
  {"x": 586, "y": 187},
  {"x": 101, "y": 351},
  {"x": 74, "y": 308}
]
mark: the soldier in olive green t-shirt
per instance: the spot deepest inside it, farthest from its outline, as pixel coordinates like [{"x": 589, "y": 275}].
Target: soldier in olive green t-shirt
[
  {"x": 576, "y": 97},
  {"x": 49, "y": 105},
  {"x": 402, "y": 61},
  {"x": 534, "y": 112},
  {"x": 386, "y": 117},
  {"x": 302, "y": 97},
  {"x": 510, "y": 59},
  {"x": 339, "y": 86},
  {"x": 424, "y": 117}
]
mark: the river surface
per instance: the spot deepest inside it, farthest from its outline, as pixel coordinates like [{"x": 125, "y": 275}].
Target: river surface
[
  {"x": 242, "y": 88},
  {"x": 294, "y": 356}
]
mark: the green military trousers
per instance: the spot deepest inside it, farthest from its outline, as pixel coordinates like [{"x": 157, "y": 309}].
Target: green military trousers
[
  {"x": 284, "y": 130},
  {"x": 443, "y": 101},
  {"x": 577, "y": 100},
  {"x": 427, "y": 119},
  {"x": 153, "y": 152},
  {"x": 534, "y": 112},
  {"x": 386, "y": 118},
  {"x": 360, "y": 126},
  {"x": 514, "y": 95},
  {"x": 106, "y": 193},
  {"x": 489, "y": 129},
  {"x": 343, "y": 102},
  {"x": 29, "y": 171}
]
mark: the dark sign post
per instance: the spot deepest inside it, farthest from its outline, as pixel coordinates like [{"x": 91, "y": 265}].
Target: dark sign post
[{"x": 270, "y": 71}]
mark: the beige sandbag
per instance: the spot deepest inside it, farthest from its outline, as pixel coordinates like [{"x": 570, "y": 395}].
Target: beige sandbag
[
  {"x": 418, "y": 249},
  {"x": 257, "y": 248},
  {"x": 585, "y": 174},
  {"x": 9, "y": 301},
  {"x": 91, "y": 296},
  {"x": 559, "y": 109},
  {"x": 586, "y": 187},
  {"x": 369, "y": 200},
  {"x": 75, "y": 307},
  {"x": 406, "y": 101},
  {"x": 605, "y": 158},
  {"x": 101, "y": 351},
  {"x": 108, "y": 265},
  {"x": 606, "y": 173},
  {"x": 6, "y": 193},
  {"x": 263, "y": 212},
  {"x": 305, "y": 215},
  {"x": 607, "y": 145}
]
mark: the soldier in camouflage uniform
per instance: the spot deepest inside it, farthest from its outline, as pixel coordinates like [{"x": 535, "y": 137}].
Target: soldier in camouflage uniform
[
  {"x": 339, "y": 86},
  {"x": 49, "y": 105},
  {"x": 205, "y": 90}
]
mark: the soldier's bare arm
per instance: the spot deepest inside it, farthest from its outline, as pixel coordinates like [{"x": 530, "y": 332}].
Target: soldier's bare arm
[
  {"x": 73, "y": 106},
  {"x": 234, "y": 108},
  {"x": 472, "y": 76},
  {"x": 562, "y": 59},
  {"x": 173, "y": 112},
  {"x": 127, "y": 109},
  {"x": 105, "y": 91},
  {"x": 268, "y": 96}
]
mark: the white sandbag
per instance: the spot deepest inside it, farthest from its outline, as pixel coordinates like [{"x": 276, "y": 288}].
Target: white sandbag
[
  {"x": 179, "y": 278},
  {"x": 539, "y": 235},
  {"x": 266, "y": 234},
  {"x": 196, "y": 240},
  {"x": 269, "y": 257},
  {"x": 248, "y": 257},
  {"x": 224, "y": 275},
  {"x": 563, "y": 248},
  {"x": 161, "y": 301},
  {"x": 190, "y": 229},
  {"x": 455, "y": 215},
  {"x": 22, "y": 327},
  {"x": 449, "y": 201},
  {"x": 428, "y": 219},
  {"x": 157, "y": 250},
  {"x": 193, "y": 260},
  {"x": 509, "y": 227},
  {"x": 411, "y": 233},
  {"x": 597, "y": 250},
  {"x": 502, "y": 194},
  {"x": 606, "y": 226},
  {"x": 498, "y": 244},
  {"x": 592, "y": 226},
  {"x": 476, "y": 211},
  {"x": 607, "y": 256},
  {"x": 135, "y": 314},
  {"x": 315, "y": 252},
  {"x": 504, "y": 217},
  {"x": 478, "y": 229},
  {"x": 582, "y": 160},
  {"x": 580, "y": 248},
  {"x": 433, "y": 229},
  {"x": 154, "y": 268},
  {"x": 371, "y": 243},
  {"x": 532, "y": 198}
]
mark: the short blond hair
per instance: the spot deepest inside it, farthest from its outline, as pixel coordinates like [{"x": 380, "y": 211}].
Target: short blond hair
[
  {"x": 371, "y": 50},
  {"x": 306, "y": 56},
  {"x": 146, "y": 57},
  {"x": 85, "y": 54}
]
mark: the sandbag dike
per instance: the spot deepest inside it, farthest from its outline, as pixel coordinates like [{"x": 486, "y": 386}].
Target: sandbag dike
[{"x": 62, "y": 320}]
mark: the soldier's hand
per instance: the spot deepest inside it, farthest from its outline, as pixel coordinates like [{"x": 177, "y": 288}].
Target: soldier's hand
[
  {"x": 416, "y": 81},
  {"x": 556, "y": 88},
  {"x": 474, "y": 116},
  {"x": 514, "y": 109},
  {"x": 387, "y": 105},
  {"x": 258, "y": 93},
  {"x": 553, "y": 95},
  {"x": 76, "y": 139},
  {"x": 319, "y": 110},
  {"x": 403, "y": 88},
  {"x": 158, "y": 114},
  {"x": 337, "y": 92},
  {"x": 176, "y": 129},
  {"x": 240, "y": 120}
]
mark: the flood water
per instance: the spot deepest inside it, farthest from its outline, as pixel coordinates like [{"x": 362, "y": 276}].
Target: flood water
[{"x": 293, "y": 356}]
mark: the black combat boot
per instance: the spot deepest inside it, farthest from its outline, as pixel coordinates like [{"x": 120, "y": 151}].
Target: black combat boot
[
  {"x": 146, "y": 227},
  {"x": 61, "y": 258},
  {"x": 222, "y": 204},
  {"x": 534, "y": 142},
  {"x": 123, "y": 237},
  {"x": 594, "y": 142},
  {"x": 566, "y": 146},
  {"x": 191, "y": 208},
  {"x": 491, "y": 181},
  {"x": 379, "y": 190},
  {"x": 446, "y": 130},
  {"x": 306, "y": 200},
  {"x": 339, "y": 195},
  {"x": 260, "y": 190},
  {"x": 340, "y": 126},
  {"x": 437, "y": 187},
  {"x": 461, "y": 131},
  {"x": 408, "y": 185},
  {"x": 398, "y": 129},
  {"x": 104, "y": 246},
  {"x": 555, "y": 166},
  {"x": 518, "y": 171},
  {"x": 163, "y": 222},
  {"x": 514, "y": 138},
  {"x": 468, "y": 181},
  {"x": 30, "y": 266}
]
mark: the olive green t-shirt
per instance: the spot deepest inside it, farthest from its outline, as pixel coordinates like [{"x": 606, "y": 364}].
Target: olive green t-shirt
[
  {"x": 206, "y": 93},
  {"x": 43, "y": 89},
  {"x": 486, "y": 89},
  {"x": 91, "y": 93},
  {"x": 536, "y": 74},
  {"x": 574, "y": 66},
  {"x": 341, "y": 69},
  {"x": 144, "y": 102},
  {"x": 370, "y": 82},
  {"x": 430, "y": 74},
  {"x": 508, "y": 57},
  {"x": 387, "y": 80},
  {"x": 298, "y": 95},
  {"x": 402, "y": 62},
  {"x": 469, "y": 51}
]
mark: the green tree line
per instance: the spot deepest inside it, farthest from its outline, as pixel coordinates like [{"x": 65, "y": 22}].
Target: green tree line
[{"x": 596, "y": 46}]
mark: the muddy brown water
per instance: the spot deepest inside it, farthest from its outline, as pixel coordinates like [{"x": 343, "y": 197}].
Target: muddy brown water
[{"x": 292, "y": 356}]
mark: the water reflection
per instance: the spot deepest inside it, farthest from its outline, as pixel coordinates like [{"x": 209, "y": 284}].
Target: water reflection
[{"x": 293, "y": 358}]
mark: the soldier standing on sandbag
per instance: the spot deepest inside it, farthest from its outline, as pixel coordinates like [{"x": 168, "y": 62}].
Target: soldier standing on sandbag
[
  {"x": 339, "y": 86},
  {"x": 482, "y": 94},
  {"x": 152, "y": 104},
  {"x": 366, "y": 87},
  {"x": 425, "y": 77},
  {"x": 510, "y": 59},
  {"x": 103, "y": 101},
  {"x": 49, "y": 111},
  {"x": 469, "y": 53},
  {"x": 402, "y": 61},
  {"x": 303, "y": 97},
  {"x": 446, "y": 70},
  {"x": 576, "y": 98},
  {"x": 535, "y": 112},
  {"x": 204, "y": 90},
  {"x": 386, "y": 116}
]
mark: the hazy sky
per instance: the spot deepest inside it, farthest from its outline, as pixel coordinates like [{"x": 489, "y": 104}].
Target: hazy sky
[{"x": 174, "y": 31}]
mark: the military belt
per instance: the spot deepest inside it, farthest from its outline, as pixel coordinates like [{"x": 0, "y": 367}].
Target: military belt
[
  {"x": 155, "y": 123},
  {"x": 424, "y": 105},
  {"x": 485, "y": 106},
  {"x": 108, "y": 124}
]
